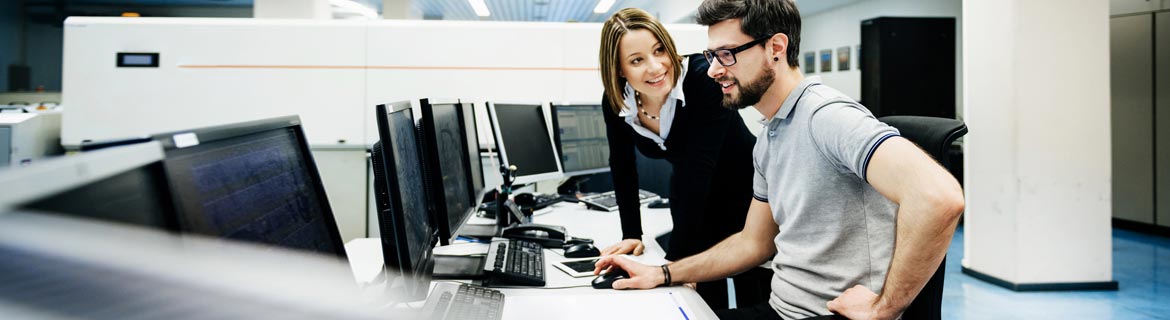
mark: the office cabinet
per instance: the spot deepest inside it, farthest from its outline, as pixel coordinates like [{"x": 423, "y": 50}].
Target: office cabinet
[
  {"x": 1131, "y": 74},
  {"x": 908, "y": 66},
  {"x": 1162, "y": 116},
  {"x": 1117, "y": 7}
]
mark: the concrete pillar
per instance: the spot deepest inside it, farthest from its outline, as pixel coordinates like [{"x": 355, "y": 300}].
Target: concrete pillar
[
  {"x": 292, "y": 9},
  {"x": 1037, "y": 159}
]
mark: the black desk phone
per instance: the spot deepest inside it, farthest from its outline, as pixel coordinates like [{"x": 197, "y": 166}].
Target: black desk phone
[{"x": 548, "y": 236}]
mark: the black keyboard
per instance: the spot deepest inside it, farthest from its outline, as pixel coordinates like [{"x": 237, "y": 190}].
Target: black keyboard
[
  {"x": 516, "y": 262},
  {"x": 470, "y": 302},
  {"x": 545, "y": 200},
  {"x": 607, "y": 201}
]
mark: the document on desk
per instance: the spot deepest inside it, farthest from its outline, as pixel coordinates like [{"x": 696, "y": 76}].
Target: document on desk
[{"x": 607, "y": 305}]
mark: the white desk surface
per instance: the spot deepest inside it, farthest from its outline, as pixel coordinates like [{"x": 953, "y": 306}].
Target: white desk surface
[{"x": 572, "y": 298}]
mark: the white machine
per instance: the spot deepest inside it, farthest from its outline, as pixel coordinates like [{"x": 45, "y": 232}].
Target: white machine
[{"x": 26, "y": 137}]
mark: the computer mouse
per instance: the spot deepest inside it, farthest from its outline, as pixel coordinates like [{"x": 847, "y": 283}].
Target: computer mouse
[
  {"x": 659, "y": 204},
  {"x": 524, "y": 199},
  {"x": 584, "y": 250},
  {"x": 575, "y": 241},
  {"x": 605, "y": 281}
]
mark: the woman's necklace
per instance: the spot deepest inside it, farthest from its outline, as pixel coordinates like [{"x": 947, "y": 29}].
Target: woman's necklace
[{"x": 638, "y": 98}]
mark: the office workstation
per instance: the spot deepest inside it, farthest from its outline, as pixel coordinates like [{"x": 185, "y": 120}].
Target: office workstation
[{"x": 438, "y": 159}]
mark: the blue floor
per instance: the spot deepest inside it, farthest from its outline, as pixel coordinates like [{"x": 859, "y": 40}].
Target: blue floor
[{"x": 1141, "y": 266}]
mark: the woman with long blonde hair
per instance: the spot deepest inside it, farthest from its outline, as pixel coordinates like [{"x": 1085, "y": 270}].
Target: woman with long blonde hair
[{"x": 665, "y": 106}]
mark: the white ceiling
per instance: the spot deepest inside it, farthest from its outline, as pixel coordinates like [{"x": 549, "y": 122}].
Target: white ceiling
[
  {"x": 671, "y": 11},
  {"x": 579, "y": 10}
]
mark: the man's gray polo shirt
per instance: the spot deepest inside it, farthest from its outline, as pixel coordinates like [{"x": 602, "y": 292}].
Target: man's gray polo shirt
[{"x": 836, "y": 231}]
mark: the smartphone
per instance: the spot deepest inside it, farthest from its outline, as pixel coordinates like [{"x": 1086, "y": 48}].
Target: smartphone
[{"x": 577, "y": 268}]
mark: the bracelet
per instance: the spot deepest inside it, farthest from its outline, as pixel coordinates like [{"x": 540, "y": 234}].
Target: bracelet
[{"x": 666, "y": 275}]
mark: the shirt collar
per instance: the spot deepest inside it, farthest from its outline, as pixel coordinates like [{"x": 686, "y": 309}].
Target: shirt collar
[
  {"x": 676, "y": 93},
  {"x": 791, "y": 101}
]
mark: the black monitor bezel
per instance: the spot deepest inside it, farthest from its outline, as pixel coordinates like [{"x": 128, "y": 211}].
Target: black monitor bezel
[
  {"x": 228, "y": 131},
  {"x": 438, "y": 195},
  {"x": 502, "y": 149},
  {"x": 467, "y": 111},
  {"x": 399, "y": 248}
]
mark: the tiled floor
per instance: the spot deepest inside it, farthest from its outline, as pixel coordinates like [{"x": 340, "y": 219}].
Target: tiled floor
[{"x": 1141, "y": 265}]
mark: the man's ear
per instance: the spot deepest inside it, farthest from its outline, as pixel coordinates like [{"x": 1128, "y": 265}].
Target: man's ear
[{"x": 779, "y": 46}]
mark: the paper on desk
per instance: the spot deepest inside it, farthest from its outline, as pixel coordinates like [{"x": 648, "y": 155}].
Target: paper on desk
[
  {"x": 461, "y": 249},
  {"x": 608, "y": 305}
]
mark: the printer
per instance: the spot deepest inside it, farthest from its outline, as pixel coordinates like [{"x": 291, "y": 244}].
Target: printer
[{"x": 26, "y": 137}]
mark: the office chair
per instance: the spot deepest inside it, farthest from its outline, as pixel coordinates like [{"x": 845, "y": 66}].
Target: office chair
[{"x": 935, "y": 136}]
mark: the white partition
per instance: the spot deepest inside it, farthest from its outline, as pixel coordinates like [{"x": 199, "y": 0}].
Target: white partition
[
  {"x": 211, "y": 72},
  {"x": 331, "y": 73}
]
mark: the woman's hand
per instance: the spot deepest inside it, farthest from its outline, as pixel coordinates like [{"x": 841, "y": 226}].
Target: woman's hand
[{"x": 630, "y": 246}]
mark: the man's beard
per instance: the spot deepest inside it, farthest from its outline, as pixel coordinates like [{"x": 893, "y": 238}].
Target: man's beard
[{"x": 749, "y": 93}]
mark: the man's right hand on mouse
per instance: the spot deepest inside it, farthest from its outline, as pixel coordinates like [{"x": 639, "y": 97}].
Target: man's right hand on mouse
[{"x": 641, "y": 276}]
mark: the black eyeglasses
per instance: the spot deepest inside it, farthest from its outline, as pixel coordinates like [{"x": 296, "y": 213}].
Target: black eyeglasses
[{"x": 727, "y": 56}]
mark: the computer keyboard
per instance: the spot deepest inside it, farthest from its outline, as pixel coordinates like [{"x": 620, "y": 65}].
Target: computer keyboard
[
  {"x": 607, "y": 201},
  {"x": 470, "y": 302},
  {"x": 545, "y": 200},
  {"x": 516, "y": 262}
]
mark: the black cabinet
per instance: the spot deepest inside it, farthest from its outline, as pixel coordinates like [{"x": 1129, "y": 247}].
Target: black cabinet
[{"x": 908, "y": 66}]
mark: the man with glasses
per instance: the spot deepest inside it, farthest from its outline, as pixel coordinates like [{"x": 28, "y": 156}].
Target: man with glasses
[{"x": 854, "y": 218}]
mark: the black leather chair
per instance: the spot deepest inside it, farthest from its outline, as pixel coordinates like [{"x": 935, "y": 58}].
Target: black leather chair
[{"x": 935, "y": 136}]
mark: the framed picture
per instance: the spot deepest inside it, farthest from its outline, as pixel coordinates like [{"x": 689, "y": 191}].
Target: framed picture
[
  {"x": 827, "y": 60},
  {"x": 843, "y": 62},
  {"x": 810, "y": 62}
]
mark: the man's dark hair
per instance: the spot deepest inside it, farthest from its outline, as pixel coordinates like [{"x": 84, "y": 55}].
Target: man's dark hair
[{"x": 761, "y": 18}]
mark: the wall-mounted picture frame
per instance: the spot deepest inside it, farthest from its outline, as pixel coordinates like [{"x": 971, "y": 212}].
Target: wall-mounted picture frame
[
  {"x": 810, "y": 62},
  {"x": 843, "y": 61},
  {"x": 827, "y": 60}
]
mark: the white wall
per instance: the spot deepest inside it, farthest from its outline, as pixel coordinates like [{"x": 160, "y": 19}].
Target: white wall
[
  {"x": 1038, "y": 154},
  {"x": 331, "y": 73},
  {"x": 841, "y": 27}
]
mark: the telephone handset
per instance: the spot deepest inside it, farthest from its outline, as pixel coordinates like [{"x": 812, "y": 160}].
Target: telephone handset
[{"x": 548, "y": 236}]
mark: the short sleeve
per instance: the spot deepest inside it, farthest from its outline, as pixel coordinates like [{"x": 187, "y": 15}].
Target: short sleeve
[
  {"x": 848, "y": 135},
  {"x": 759, "y": 184}
]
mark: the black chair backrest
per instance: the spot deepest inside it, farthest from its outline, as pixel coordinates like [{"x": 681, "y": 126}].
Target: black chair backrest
[{"x": 935, "y": 136}]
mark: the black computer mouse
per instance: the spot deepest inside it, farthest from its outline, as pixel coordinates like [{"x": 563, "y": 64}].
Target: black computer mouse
[
  {"x": 605, "y": 281},
  {"x": 583, "y": 250},
  {"x": 659, "y": 204}
]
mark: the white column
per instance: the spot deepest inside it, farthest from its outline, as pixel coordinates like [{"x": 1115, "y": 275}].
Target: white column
[
  {"x": 292, "y": 9},
  {"x": 1037, "y": 159}
]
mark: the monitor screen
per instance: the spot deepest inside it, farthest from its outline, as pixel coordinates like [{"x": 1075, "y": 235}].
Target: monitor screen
[
  {"x": 136, "y": 197},
  {"x": 475, "y": 163},
  {"x": 401, "y": 198},
  {"x": 580, "y": 137},
  {"x": 447, "y": 161},
  {"x": 123, "y": 185},
  {"x": 524, "y": 141},
  {"x": 254, "y": 181}
]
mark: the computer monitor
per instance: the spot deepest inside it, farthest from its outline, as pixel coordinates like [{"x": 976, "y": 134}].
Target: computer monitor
[
  {"x": 124, "y": 185},
  {"x": 401, "y": 199},
  {"x": 475, "y": 167},
  {"x": 579, "y": 132},
  {"x": 253, "y": 181},
  {"x": 524, "y": 141},
  {"x": 448, "y": 165}
]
